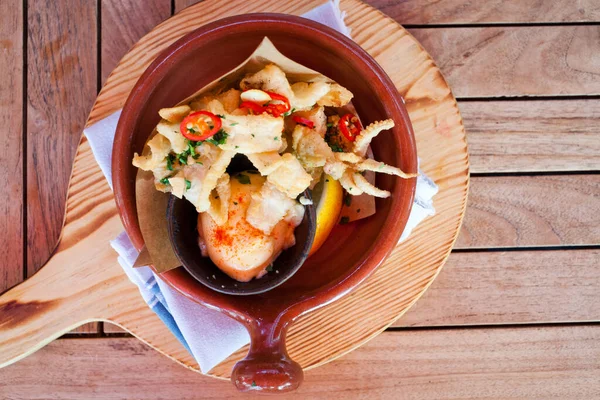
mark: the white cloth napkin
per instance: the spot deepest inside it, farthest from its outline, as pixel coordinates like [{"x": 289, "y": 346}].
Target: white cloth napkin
[{"x": 209, "y": 335}]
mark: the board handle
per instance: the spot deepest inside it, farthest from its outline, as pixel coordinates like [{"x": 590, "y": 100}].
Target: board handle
[
  {"x": 267, "y": 367},
  {"x": 74, "y": 287}
]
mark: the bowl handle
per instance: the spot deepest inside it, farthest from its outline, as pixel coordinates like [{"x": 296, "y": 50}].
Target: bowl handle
[{"x": 267, "y": 367}]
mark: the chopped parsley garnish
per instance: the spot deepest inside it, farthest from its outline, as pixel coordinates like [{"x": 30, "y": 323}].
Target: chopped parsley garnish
[
  {"x": 347, "y": 200},
  {"x": 191, "y": 147},
  {"x": 218, "y": 138},
  {"x": 275, "y": 138},
  {"x": 252, "y": 134},
  {"x": 336, "y": 148},
  {"x": 182, "y": 157},
  {"x": 253, "y": 384},
  {"x": 170, "y": 159},
  {"x": 165, "y": 181},
  {"x": 270, "y": 267},
  {"x": 329, "y": 124},
  {"x": 234, "y": 124},
  {"x": 221, "y": 116},
  {"x": 344, "y": 220},
  {"x": 243, "y": 179},
  {"x": 188, "y": 184}
]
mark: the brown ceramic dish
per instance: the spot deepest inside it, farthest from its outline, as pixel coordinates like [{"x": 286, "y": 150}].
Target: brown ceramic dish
[{"x": 352, "y": 251}]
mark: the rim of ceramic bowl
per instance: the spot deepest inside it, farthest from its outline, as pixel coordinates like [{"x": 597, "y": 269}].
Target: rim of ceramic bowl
[{"x": 400, "y": 208}]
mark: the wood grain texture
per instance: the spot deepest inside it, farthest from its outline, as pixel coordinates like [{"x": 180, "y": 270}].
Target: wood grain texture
[
  {"x": 61, "y": 88},
  {"x": 533, "y": 135},
  {"x": 520, "y": 211},
  {"x": 124, "y": 22},
  {"x": 11, "y": 142},
  {"x": 82, "y": 281},
  {"x": 484, "y": 288},
  {"x": 516, "y": 61},
  {"x": 181, "y": 4},
  {"x": 488, "y": 11},
  {"x": 557, "y": 362}
]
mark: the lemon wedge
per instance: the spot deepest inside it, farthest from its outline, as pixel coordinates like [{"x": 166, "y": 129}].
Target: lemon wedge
[{"x": 327, "y": 195}]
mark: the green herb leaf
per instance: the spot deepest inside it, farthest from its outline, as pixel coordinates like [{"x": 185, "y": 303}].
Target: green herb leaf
[
  {"x": 233, "y": 124},
  {"x": 243, "y": 179},
  {"x": 336, "y": 148},
  {"x": 221, "y": 116},
  {"x": 270, "y": 267},
  {"x": 182, "y": 158},
  {"x": 344, "y": 220},
  {"x": 252, "y": 134},
  {"x": 235, "y": 202},
  {"x": 218, "y": 138},
  {"x": 170, "y": 159},
  {"x": 275, "y": 138},
  {"x": 329, "y": 124},
  {"x": 188, "y": 184},
  {"x": 253, "y": 384},
  {"x": 164, "y": 181}
]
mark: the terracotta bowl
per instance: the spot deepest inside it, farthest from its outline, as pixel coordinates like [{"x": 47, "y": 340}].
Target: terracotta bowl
[{"x": 352, "y": 251}]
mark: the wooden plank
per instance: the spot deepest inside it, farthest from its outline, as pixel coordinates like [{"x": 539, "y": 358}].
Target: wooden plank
[
  {"x": 512, "y": 61},
  {"x": 61, "y": 77},
  {"x": 11, "y": 142},
  {"x": 516, "y": 61},
  {"x": 181, "y": 4},
  {"x": 532, "y": 135},
  {"x": 488, "y": 11},
  {"x": 485, "y": 288},
  {"x": 521, "y": 211},
  {"x": 124, "y": 22},
  {"x": 561, "y": 362},
  {"x": 514, "y": 287}
]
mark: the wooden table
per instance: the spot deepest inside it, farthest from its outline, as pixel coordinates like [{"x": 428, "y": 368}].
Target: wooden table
[{"x": 515, "y": 311}]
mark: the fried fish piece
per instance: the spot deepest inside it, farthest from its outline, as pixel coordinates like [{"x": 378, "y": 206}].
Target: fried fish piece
[{"x": 174, "y": 114}]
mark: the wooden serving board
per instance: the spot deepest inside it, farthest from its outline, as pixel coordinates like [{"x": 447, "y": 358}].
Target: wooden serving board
[{"x": 83, "y": 282}]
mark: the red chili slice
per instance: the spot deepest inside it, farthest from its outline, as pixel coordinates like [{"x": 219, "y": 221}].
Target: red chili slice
[
  {"x": 275, "y": 109},
  {"x": 304, "y": 121},
  {"x": 253, "y": 107},
  {"x": 350, "y": 126},
  {"x": 200, "y": 125}
]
